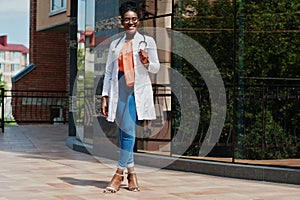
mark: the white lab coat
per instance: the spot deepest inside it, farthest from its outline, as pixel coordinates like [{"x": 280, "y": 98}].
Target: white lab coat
[{"x": 142, "y": 85}]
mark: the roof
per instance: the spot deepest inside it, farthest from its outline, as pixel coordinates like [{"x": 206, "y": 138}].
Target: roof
[
  {"x": 23, "y": 72},
  {"x": 14, "y": 47}
]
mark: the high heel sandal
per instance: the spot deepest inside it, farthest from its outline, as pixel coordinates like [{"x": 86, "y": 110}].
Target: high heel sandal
[
  {"x": 132, "y": 182},
  {"x": 115, "y": 183}
]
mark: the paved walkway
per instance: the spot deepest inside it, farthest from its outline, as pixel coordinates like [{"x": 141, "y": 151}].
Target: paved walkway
[{"x": 35, "y": 164}]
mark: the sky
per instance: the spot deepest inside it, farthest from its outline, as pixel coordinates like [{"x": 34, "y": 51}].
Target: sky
[{"x": 14, "y": 21}]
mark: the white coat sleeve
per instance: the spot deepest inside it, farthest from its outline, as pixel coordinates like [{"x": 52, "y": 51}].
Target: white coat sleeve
[
  {"x": 108, "y": 72},
  {"x": 154, "y": 64}
]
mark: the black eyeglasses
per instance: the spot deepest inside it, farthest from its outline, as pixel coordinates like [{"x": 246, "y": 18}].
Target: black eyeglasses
[{"x": 133, "y": 19}]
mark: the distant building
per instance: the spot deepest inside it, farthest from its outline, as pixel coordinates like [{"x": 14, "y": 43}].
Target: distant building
[{"x": 13, "y": 58}]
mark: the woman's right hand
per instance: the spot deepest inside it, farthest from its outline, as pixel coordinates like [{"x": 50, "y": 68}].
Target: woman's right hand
[{"x": 104, "y": 106}]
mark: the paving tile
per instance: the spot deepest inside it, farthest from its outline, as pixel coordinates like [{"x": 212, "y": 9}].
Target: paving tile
[{"x": 42, "y": 167}]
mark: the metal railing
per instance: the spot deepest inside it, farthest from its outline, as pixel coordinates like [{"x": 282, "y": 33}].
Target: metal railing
[
  {"x": 34, "y": 106},
  {"x": 270, "y": 120},
  {"x": 2, "y": 109}
]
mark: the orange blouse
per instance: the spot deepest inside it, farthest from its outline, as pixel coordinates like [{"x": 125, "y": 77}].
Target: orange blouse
[{"x": 126, "y": 63}]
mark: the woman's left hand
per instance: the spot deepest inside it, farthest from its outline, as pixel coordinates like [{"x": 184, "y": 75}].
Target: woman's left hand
[{"x": 144, "y": 57}]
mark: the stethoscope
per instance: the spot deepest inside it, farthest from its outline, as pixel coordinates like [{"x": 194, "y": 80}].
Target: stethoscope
[{"x": 142, "y": 44}]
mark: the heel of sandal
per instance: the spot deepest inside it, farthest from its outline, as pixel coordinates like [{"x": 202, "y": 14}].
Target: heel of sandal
[{"x": 132, "y": 182}]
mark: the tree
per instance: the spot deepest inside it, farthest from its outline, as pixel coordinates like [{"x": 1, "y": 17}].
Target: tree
[
  {"x": 272, "y": 38},
  {"x": 270, "y": 50},
  {"x": 2, "y": 83}
]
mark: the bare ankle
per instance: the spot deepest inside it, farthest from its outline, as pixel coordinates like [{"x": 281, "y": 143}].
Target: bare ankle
[
  {"x": 120, "y": 171},
  {"x": 130, "y": 170}
]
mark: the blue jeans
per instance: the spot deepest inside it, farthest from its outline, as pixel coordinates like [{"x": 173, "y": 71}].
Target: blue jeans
[{"x": 126, "y": 119}]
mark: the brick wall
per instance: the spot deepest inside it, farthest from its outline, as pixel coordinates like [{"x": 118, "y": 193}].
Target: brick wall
[{"x": 49, "y": 52}]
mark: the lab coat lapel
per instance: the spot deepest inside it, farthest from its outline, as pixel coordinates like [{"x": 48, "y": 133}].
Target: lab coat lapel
[
  {"x": 136, "y": 40},
  {"x": 119, "y": 44}
]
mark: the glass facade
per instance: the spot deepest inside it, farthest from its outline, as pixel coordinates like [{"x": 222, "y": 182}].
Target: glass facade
[{"x": 254, "y": 45}]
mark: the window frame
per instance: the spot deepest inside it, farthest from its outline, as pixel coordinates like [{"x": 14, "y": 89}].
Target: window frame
[
  {"x": 2, "y": 68},
  {"x": 15, "y": 67},
  {"x": 2, "y": 55},
  {"x": 15, "y": 55},
  {"x": 60, "y": 9}
]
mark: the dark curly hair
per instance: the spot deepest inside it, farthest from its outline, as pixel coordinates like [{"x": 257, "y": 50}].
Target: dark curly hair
[{"x": 129, "y": 6}]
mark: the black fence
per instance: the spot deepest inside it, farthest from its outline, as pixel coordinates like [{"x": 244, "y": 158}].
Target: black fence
[
  {"x": 262, "y": 121},
  {"x": 32, "y": 106},
  {"x": 2, "y": 108},
  {"x": 267, "y": 126}
]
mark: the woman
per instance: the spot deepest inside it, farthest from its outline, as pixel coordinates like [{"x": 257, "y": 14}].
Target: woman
[{"x": 127, "y": 91}]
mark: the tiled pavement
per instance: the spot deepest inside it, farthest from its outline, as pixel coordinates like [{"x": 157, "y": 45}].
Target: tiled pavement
[{"x": 35, "y": 164}]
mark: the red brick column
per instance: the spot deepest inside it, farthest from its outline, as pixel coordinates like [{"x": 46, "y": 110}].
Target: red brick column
[{"x": 49, "y": 52}]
